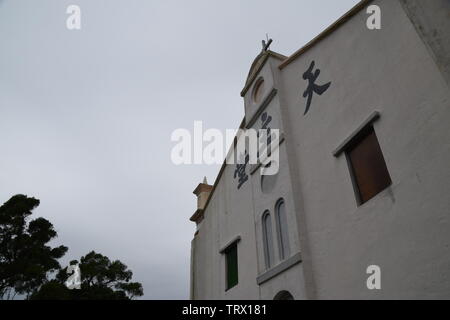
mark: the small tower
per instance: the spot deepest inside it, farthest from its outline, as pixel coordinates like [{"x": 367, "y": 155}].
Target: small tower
[{"x": 202, "y": 192}]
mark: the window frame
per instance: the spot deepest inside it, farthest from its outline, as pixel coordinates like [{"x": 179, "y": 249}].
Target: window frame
[
  {"x": 258, "y": 91},
  {"x": 284, "y": 249},
  {"x": 232, "y": 247},
  {"x": 347, "y": 144},
  {"x": 269, "y": 249},
  {"x": 361, "y": 135}
]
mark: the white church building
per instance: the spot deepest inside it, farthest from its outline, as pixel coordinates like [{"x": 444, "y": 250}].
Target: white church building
[{"x": 364, "y": 168}]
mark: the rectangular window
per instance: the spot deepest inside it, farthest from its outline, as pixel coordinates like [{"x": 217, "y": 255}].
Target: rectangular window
[
  {"x": 231, "y": 257},
  {"x": 368, "y": 168}
]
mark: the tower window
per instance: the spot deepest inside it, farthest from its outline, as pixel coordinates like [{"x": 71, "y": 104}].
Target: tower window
[
  {"x": 367, "y": 165},
  {"x": 268, "y": 239},
  {"x": 282, "y": 229}
]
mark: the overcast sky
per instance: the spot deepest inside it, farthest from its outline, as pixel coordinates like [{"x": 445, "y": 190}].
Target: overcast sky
[{"x": 86, "y": 116}]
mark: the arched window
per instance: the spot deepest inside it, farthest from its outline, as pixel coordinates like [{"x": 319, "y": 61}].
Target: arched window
[
  {"x": 283, "y": 295},
  {"x": 282, "y": 229},
  {"x": 268, "y": 239}
]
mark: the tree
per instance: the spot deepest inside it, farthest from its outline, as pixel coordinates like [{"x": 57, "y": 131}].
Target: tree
[
  {"x": 25, "y": 258},
  {"x": 101, "y": 279}
]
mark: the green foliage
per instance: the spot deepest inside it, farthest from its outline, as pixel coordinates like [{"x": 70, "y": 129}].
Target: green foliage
[
  {"x": 52, "y": 290},
  {"x": 25, "y": 257},
  {"x": 27, "y": 261},
  {"x": 102, "y": 279}
]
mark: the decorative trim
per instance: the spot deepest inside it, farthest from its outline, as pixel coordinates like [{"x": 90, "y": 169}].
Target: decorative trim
[
  {"x": 343, "y": 145},
  {"x": 283, "y": 266},
  {"x": 198, "y": 216},
  {"x": 267, "y": 100},
  {"x": 202, "y": 187},
  {"x": 229, "y": 243}
]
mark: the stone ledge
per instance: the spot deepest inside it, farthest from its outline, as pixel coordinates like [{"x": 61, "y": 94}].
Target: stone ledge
[{"x": 283, "y": 266}]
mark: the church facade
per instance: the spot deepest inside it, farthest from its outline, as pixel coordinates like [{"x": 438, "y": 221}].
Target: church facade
[{"x": 360, "y": 206}]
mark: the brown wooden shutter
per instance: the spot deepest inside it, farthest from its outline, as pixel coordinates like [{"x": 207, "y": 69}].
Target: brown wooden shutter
[{"x": 368, "y": 166}]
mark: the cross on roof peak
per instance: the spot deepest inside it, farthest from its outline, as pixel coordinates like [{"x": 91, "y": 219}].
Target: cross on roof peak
[{"x": 266, "y": 44}]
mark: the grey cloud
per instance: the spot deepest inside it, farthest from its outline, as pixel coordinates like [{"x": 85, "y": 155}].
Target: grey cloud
[{"x": 86, "y": 116}]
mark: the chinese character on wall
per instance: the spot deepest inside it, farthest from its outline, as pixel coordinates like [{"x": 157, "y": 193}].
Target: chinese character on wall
[{"x": 312, "y": 86}]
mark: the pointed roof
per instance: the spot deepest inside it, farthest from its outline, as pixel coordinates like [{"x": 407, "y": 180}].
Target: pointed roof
[{"x": 257, "y": 65}]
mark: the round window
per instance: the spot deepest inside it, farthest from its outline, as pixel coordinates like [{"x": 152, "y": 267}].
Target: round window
[
  {"x": 258, "y": 91},
  {"x": 268, "y": 182}
]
